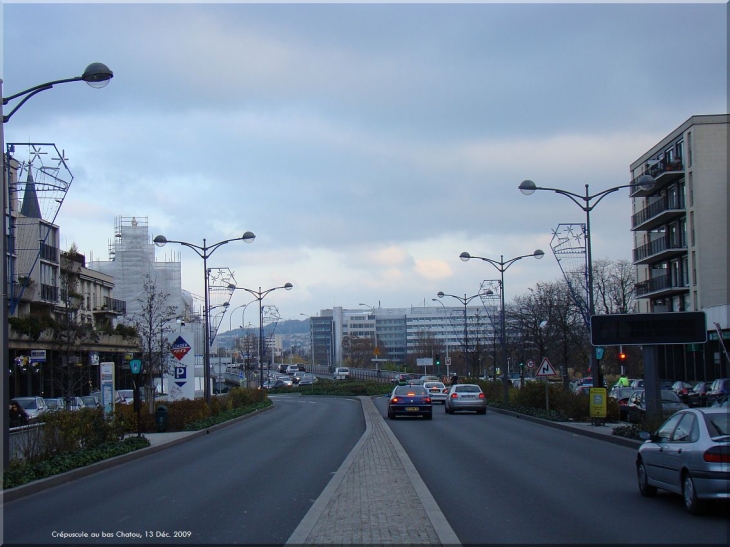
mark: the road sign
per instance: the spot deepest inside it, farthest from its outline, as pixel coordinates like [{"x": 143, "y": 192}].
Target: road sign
[
  {"x": 640, "y": 329},
  {"x": 448, "y": 361},
  {"x": 530, "y": 363},
  {"x": 546, "y": 369},
  {"x": 136, "y": 366},
  {"x": 376, "y": 351}
]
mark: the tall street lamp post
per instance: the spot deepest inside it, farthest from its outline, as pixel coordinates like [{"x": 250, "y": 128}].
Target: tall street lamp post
[
  {"x": 465, "y": 301},
  {"x": 587, "y": 202},
  {"x": 447, "y": 335},
  {"x": 97, "y": 75},
  {"x": 502, "y": 266},
  {"x": 260, "y": 295},
  {"x": 204, "y": 252}
]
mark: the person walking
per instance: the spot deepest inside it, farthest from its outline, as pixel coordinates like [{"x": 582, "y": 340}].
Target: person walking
[{"x": 18, "y": 416}]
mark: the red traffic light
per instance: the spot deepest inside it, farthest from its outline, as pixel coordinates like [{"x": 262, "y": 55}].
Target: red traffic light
[{"x": 622, "y": 356}]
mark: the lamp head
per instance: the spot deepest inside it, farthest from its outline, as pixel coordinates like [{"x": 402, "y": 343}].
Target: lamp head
[
  {"x": 288, "y": 286},
  {"x": 248, "y": 237},
  {"x": 440, "y": 294},
  {"x": 528, "y": 187},
  {"x": 646, "y": 182},
  {"x": 538, "y": 254},
  {"x": 465, "y": 256},
  {"x": 160, "y": 241},
  {"x": 97, "y": 75}
]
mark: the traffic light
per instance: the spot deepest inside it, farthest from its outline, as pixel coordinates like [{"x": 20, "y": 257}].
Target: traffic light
[
  {"x": 438, "y": 360},
  {"x": 621, "y": 356}
]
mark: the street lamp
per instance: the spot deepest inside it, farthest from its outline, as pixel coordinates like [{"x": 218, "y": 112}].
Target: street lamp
[
  {"x": 645, "y": 182},
  {"x": 502, "y": 266},
  {"x": 464, "y": 301},
  {"x": 96, "y": 75},
  {"x": 447, "y": 336},
  {"x": 204, "y": 252},
  {"x": 260, "y": 295}
]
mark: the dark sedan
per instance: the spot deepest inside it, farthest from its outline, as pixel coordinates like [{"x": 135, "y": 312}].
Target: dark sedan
[
  {"x": 698, "y": 395},
  {"x": 622, "y": 394},
  {"x": 636, "y": 405},
  {"x": 410, "y": 401}
]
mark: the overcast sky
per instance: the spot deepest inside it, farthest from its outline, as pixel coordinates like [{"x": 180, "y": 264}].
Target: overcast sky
[{"x": 365, "y": 145}]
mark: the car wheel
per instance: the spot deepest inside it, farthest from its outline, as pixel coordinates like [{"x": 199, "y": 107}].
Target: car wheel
[
  {"x": 391, "y": 416},
  {"x": 646, "y": 489},
  {"x": 694, "y": 505}
]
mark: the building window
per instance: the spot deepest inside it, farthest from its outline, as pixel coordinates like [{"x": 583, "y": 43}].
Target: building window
[
  {"x": 694, "y": 271},
  {"x": 691, "y": 190},
  {"x": 692, "y": 228}
]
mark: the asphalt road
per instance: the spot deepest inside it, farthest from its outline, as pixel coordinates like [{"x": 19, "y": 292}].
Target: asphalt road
[
  {"x": 251, "y": 482},
  {"x": 499, "y": 479}
]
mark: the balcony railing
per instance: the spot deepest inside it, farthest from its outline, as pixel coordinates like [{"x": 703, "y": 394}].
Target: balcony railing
[
  {"x": 49, "y": 252},
  {"x": 106, "y": 304},
  {"x": 660, "y": 248},
  {"x": 659, "y": 284},
  {"x": 49, "y": 292},
  {"x": 659, "y": 212},
  {"x": 663, "y": 172}
]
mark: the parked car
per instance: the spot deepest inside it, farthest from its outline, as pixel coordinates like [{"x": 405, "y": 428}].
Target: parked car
[
  {"x": 291, "y": 369},
  {"x": 719, "y": 387},
  {"x": 91, "y": 401},
  {"x": 55, "y": 404},
  {"x": 410, "y": 401},
  {"x": 297, "y": 376},
  {"x": 622, "y": 394},
  {"x": 466, "y": 397},
  {"x": 308, "y": 379},
  {"x": 74, "y": 403},
  {"x": 722, "y": 402},
  {"x": 698, "y": 395},
  {"x": 682, "y": 390},
  {"x": 688, "y": 455},
  {"x": 341, "y": 373},
  {"x": 636, "y": 405},
  {"x": 33, "y": 406},
  {"x": 437, "y": 390},
  {"x": 118, "y": 397}
]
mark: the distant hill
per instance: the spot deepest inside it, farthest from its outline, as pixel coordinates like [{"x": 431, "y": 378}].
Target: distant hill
[{"x": 289, "y": 326}]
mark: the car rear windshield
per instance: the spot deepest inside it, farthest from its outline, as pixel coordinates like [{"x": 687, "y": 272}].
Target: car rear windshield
[
  {"x": 405, "y": 390},
  {"x": 468, "y": 389}
]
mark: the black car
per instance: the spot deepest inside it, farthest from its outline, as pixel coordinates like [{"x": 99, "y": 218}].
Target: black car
[
  {"x": 636, "y": 405},
  {"x": 682, "y": 390},
  {"x": 698, "y": 394},
  {"x": 410, "y": 401},
  {"x": 622, "y": 394}
]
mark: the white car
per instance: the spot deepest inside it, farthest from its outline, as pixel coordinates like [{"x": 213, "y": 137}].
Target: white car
[
  {"x": 341, "y": 373},
  {"x": 291, "y": 369},
  {"x": 437, "y": 390}
]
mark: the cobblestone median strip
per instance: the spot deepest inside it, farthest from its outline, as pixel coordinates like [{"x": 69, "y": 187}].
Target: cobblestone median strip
[{"x": 375, "y": 498}]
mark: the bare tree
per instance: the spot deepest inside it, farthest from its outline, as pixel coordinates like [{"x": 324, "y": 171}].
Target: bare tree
[
  {"x": 153, "y": 323},
  {"x": 613, "y": 284},
  {"x": 69, "y": 333}
]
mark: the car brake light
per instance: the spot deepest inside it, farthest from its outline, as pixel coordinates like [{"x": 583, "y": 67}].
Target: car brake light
[
  {"x": 394, "y": 400},
  {"x": 481, "y": 395},
  {"x": 428, "y": 399},
  {"x": 717, "y": 454},
  {"x": 411, "y": 394},
  {"x": 445, "y": 390},
  {"x": 454, "y": 395}
]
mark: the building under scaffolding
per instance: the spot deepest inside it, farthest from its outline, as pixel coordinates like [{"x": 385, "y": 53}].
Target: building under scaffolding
[{"x": 132, "y": 258}]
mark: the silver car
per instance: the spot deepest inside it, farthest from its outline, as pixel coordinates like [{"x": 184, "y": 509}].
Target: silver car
[
  {"x": 437, "y": 390},
  {"x": 689, "y": 455},
  {"x": 466, "y": 397}
]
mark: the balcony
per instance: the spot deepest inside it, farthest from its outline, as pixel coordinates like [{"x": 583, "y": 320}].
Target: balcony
[
  {"x": 659, "y": 250},
  {"x": 658, "y": 213},
  {"x": 49, "y": 293},
  {"x": 663, "y": 173},
  {"x": 108, "y": 305},
  {"x": 659, "y": 287},
  {"x": 49, "y": 253}
]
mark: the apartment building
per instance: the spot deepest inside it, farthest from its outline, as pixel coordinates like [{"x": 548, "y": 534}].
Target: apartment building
[{"x": 681, "y": 231}]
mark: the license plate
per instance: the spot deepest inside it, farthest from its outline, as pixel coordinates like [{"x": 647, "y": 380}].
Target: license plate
[
  {"x": 412, "y": 409},
  {"x": 468, "y": 396}
]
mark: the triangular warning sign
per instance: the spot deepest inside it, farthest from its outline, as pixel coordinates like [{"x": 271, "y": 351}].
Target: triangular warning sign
[{"x": 546, "y": 369}]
